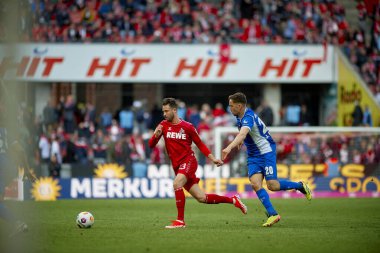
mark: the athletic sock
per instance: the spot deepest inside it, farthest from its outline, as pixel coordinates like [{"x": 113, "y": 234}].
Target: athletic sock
[
  {"x": 216, "y": 199},
  {"x": 289, "y": 185},
  {"x": 264, "y": 198},
  {"x": 180, "y": 203}
]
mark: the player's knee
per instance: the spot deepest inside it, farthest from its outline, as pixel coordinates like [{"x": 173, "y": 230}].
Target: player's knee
[
  {"x": 271, "y": 187},
  {"x": 176, "y": 185},
  {"x": 201, "y": 199},
  {"x": 256, "y": 186}
]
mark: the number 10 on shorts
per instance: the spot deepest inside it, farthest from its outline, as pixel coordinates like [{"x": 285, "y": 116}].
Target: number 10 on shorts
[{"x": 268, "y": 170}]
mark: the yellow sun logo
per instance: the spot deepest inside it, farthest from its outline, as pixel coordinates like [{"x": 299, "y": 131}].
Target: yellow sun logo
[
  {"x": 110, "y": 170},
  {"x": 46, "y": 188}
]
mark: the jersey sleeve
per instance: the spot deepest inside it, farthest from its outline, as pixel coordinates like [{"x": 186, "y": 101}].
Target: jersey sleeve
[
  {"x": 247, "y": 121},
  {"x": 154, "y": 140},
  {"x": 197, "y": 140}
]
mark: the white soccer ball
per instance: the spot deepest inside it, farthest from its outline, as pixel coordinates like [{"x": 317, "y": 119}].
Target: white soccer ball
[{"x": 85, "y": 220}]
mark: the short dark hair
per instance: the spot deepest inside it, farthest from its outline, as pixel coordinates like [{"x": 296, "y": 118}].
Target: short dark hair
[
  {"x": 238, "y": 97},
  {"x": 171, "y": 102}
]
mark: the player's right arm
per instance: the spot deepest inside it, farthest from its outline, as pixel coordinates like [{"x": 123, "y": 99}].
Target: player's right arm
[
  {"x": 156, "y": 136},
  {"x": 237, "y": 142},
  {"x": 247, "y": 124}
]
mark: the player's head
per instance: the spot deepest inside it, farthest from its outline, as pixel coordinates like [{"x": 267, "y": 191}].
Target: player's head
[
  {"x": 237, "y": 103},
  {"x": 169, "y": 108}
]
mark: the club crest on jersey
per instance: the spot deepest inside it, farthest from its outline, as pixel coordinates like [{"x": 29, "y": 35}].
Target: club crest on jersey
[{"x": 174, "y": 135}]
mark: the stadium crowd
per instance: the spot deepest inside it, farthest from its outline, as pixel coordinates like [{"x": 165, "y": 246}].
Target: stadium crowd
[
  {"x": 72, "y": 133},
  {"x": 202, "y": 21},
  {"x": 69, "y": 132}
]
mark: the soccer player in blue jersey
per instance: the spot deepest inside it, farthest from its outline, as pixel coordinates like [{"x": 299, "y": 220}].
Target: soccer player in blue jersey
[
  {"x": 261, "y": 151},
  {"x": 11, "y": 155}
]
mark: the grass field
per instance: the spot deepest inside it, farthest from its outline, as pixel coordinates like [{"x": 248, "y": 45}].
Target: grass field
[{"x": 324, "y": 225}]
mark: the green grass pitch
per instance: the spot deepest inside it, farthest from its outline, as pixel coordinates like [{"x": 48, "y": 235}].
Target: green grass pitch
[{"x": 322, "y": 225}]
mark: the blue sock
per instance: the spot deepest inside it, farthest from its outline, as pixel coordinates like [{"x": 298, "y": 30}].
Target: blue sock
[
  {"x": 264, "y": 198},
  {"x": 6, "y": 214},
  {"x": 289, "y": 185}
]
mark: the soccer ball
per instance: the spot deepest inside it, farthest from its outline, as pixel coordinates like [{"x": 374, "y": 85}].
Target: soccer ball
[{"x": 85, "y": 220}]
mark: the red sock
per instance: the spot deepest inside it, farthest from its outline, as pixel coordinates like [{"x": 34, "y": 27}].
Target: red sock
[
  {"x": 216, "y": 199},
  {"x": 180, "y": 202}
]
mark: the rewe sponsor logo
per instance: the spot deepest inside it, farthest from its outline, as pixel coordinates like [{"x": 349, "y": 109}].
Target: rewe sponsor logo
[{"x": 175, "y": 135}]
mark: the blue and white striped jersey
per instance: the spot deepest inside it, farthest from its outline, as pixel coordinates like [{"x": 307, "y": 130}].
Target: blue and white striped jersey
[{"x": 258, "y": 141}]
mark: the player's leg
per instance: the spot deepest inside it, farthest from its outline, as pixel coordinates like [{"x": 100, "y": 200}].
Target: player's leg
[
  {"x": 256, "y": 172},
  {"x": 281, "y": 185},
  {"x": 179, "y": 181},
  {"x": 15, "y": 225},
  {"x": 180, "y": 200},
  {"x": 273, "y": 216},
  {"x": 5, "y": 213},
  {"x": 202, "y": 197},
  {"x": 284, "y": 185},
  {"x": 256, "y": 182}
]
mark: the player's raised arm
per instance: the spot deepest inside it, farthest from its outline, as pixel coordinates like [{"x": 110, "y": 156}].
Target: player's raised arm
[
  {"x": 156, "y": 136},
  {"x": 236, "y": 142}
]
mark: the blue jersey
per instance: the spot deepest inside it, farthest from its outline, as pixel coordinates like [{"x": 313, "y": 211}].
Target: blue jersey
[
  {"x": 3, "y": 140},
  {"x": 6, "y": 167},
  {"x": 258, "y": 140}
]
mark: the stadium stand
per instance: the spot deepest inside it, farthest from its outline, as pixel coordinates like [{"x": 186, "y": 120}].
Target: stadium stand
[
  {"x": 255, "y": 21},
  {"x": 84, "y": 138}
]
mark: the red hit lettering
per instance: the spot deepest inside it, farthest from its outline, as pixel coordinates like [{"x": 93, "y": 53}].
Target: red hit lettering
[
  {"x": 107, "y": 67},
  {"x": 293, "y": 68},
  {"x": 223, "y": 66},
  {"x": 7, "y": 64},
  {"x": 308, "y": 65},
  {"x": 207, "y": 68},
  {"x": 193, "y": 68},
  {"x": 49, "y": 63},
  {"x": 121, "y": 67},
  {"x": 268, "y": 66},
  {"x": 33, "y": 66},
  {"x": 22, "y": 67},
  {"x": 137, "y": 63}
]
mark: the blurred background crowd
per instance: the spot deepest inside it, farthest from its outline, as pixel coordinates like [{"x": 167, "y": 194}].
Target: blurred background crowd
[
  {"x": 74, "y": 133},
  {"x": 208, "y": 21},
  {"x": 71, "y": 132}
]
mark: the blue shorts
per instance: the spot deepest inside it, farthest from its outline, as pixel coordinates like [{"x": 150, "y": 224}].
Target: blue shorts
[
  {"x": 264, "y": 164},
  {"x": 7, "y": 172}
]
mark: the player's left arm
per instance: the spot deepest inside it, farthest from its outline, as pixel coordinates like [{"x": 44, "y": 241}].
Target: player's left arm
[
  {"x": 203, "y": 148},
  {"x": 19, "y": 156}
]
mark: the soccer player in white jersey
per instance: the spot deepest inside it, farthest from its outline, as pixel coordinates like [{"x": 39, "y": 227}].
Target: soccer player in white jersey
[{"x": 261, "y": 159}]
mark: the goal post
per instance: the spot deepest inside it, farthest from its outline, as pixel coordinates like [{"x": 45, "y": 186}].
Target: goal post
[{"x": 350, "y": 136}]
